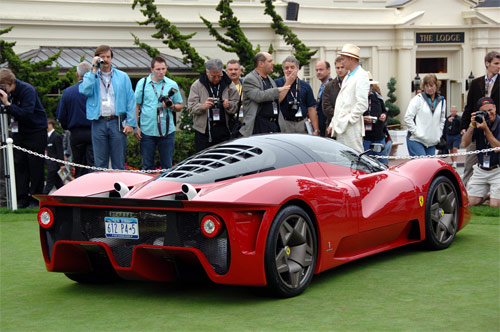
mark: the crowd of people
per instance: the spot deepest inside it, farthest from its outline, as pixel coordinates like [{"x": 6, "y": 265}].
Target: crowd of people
[{"x": 100, "y": 110}]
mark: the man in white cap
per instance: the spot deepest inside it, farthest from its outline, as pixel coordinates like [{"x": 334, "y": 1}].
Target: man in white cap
[{"x": 347, "y": 123}]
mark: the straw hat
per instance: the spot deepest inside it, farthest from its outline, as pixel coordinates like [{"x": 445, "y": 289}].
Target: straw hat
[
  {"x": 370, "y": 77},
  {"x": 350, "y": 50}
]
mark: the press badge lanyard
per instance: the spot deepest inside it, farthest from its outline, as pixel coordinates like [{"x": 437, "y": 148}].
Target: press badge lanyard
[
  {"x": 159, "y": 110},
  {"x": 296, "y": 98},
  {"x": 106, "y": 87},
  {"x": 269, "y": 86},
  {"x": 368, "y": 125},
  {"x": 215, "y": 111}
]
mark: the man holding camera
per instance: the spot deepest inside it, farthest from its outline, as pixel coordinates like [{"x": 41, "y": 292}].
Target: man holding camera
[
  {"x": 484, "y": 129},
  {"x": 110, "y": 107},
  {"x": 298, "y": 103},
  {"x": 157, "y": 97},
  {"x": 29, "y": 131},
  {"x": 213, "y": 99},
  {"x": 487, "y": 85}
]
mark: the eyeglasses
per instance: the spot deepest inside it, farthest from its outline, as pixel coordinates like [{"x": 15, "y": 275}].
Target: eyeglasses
[{"x": 215, "y": 76}]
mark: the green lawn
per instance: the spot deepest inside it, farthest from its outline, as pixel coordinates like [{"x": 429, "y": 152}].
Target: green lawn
[{"x": 407, "y": 289}]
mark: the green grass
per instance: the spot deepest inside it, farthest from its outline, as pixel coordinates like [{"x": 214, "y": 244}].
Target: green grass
[{"x": 407, "y": 289}]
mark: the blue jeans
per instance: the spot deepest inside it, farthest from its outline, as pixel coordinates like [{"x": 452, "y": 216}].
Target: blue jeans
[
  {"x": 165, "y": 148},
  {"x": 366, "y": 146},
  {"x": 418, "y": 149},
  {"x": 108, "y": 141}
]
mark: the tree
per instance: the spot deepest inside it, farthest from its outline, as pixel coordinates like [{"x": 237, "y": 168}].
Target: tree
[
  {"x": 392, "y": 108},
  {"x": 237, "y": 42},
  {"x": 302, "y": 52},
  {"x": 169, "y": 34},
  {"x": 46, "y": 81}
]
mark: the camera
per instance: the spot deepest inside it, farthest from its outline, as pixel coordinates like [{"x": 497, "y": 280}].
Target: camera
[
  {"x": 99, "y": 63},
  {"x": 216, "y": 102},
  {"x": 4, "y": 89},
  {"x": 166, "y": 99},
  {"x": 294, "y": 105},
  {"x": 480, "y": 115}
]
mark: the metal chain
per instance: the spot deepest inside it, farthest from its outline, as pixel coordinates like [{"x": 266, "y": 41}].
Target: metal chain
[
  {"x": 438, "y": 155},
  {"x": 163, "y": 170}
]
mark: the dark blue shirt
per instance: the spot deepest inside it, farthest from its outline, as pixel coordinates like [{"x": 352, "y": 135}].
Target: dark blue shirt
[
  {"x": 71, "y": 111},
  {"x": 305, "y": 97},
  {"x": 482, "y": 142},
  {"x": 27, "y": 108}
]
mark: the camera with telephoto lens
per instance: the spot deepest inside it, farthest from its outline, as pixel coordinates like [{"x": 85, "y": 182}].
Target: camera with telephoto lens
[
  {"x": 480, "y": 115},
  {"x": 294, "y": 105},
  {"x": 166, "y": 99}
]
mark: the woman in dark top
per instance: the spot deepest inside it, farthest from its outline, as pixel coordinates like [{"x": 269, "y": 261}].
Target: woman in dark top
[{"x": 375, "y": 119}]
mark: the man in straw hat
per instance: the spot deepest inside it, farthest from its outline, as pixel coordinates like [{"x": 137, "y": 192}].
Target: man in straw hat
[{"x": 347, "y": 123}]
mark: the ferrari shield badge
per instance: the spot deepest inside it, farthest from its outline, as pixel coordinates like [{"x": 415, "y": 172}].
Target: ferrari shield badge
[{"x": 421, "y": 200}]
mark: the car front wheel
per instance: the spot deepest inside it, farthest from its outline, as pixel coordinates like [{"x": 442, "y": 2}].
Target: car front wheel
[{"x": 441, "y": 214}]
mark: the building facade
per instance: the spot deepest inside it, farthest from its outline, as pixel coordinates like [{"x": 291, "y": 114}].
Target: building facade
[{"x": 398, "y": 39}]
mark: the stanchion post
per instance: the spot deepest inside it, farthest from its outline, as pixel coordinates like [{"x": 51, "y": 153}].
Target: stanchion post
[{"x": 12, "y": 177}]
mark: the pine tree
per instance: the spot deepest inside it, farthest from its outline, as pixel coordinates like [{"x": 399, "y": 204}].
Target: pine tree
[
  {"x": 302, "y": 53},
  {"x": 237, "y": 42},
  {"x": 392, "y": 108},
  {"x": 46, "y": 81},
  {"x": 169, "y": 34}
]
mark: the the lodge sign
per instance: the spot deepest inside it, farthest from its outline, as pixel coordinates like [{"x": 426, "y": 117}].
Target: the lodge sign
[{"x": 439, "y": 37}]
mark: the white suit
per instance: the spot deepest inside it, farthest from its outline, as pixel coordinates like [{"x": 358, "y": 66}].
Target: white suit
[{"x": 347, "y": 122}]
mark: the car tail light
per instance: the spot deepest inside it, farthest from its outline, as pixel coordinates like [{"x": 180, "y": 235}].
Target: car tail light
[
  {"x": 211, "y": 225},
  {"x": 45, "y": 217}
]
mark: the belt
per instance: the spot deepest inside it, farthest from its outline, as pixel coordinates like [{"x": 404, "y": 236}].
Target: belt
[
  {"x": 111, "y": 117},
  {"x": 296, "y": 119},
  {"x": 274, "y": 120},
  {"x": 488, "y": 168}
]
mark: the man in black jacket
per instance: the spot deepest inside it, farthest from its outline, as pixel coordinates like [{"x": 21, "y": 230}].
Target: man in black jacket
[
  {"x": 28, "y": 126},
  {"x": 484, "y": 86},
  {"x": 54, "y": 150}
]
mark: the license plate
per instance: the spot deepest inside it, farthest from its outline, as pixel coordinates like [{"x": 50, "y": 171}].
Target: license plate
[{"x": 121, "y": 227}]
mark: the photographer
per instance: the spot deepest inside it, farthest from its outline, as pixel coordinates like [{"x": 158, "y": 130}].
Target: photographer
[
  {"x": 111, "y": 108},
  {"x": 157, "y": 97},
  {"x": 484, "y": 129},
  {"x": 298, "y": 103},
  {"x": 213, "y": 99},
  {"x": 28, "y": 127}
]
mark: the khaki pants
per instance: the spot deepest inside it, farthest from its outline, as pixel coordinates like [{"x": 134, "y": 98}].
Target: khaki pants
[{"x": 470, "y": 160}]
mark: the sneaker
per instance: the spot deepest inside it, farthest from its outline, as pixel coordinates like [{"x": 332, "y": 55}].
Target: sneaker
[{"x": 454, "y": 165}]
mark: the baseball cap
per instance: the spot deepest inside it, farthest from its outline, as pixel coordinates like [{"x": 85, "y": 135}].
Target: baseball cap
[{"x": 485, "y": 101}]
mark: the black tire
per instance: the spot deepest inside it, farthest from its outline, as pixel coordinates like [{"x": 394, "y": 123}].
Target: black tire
[
  {"x": 291, "y": 252},
  {"x": 441, "y": 214}
]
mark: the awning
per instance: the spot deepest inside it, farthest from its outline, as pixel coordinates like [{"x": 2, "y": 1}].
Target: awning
[{"x": 132, "y": 60}]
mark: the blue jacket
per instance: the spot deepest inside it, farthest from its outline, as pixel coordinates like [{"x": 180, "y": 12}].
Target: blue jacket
[
  {"x": 27, "y": 108},
  {"x": 122, "y": 88},
  {"x": 71, "y": 111}
]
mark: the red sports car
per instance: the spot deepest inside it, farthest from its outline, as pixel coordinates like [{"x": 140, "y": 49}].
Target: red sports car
[{"x": 270, "y": 210}]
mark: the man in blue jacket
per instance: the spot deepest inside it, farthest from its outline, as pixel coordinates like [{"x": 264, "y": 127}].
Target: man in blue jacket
[
  {"x": 71, "y": 113},
  {"x": 29, "y": 131},
  {"x": 110, "y": 107}
]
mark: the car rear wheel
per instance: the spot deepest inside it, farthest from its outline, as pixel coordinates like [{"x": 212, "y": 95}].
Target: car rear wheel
[
  {"x": 441, "y": 214},
  {"x": 291, "y": 252}
]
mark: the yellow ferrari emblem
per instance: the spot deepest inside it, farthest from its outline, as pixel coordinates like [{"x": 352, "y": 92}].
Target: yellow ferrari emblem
[
  {"x": 288, "y": 251},
  {"x": 421, "y": 200}
]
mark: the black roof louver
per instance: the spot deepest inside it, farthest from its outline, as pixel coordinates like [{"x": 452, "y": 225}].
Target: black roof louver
[{"x": 212, "y": 159}]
